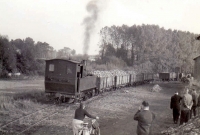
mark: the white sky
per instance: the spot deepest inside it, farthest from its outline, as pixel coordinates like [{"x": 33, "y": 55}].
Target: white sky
[{"x": 59, "y": 22}]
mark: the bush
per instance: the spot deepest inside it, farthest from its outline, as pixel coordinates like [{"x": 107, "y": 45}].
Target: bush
[{"x": 4, "y": 74}]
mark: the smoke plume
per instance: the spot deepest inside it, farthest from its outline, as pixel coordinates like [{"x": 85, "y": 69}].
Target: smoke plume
[{"x": 89, "y": 23}]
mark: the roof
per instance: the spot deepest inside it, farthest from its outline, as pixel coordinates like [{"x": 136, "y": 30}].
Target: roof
[
  {"x": 73, "y": 61},
  {"x": 196, "y": 57}
]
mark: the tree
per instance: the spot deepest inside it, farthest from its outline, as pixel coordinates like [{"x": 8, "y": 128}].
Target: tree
[
  {"x": 66, "y": 52},
  {"x": 25, "y": 55},
  {"x": 44, "y": 51},
  {"x": 7, "y": 56},
  {"x": 165, "y": 49}
]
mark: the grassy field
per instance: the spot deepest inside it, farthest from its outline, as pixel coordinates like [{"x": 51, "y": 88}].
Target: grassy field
[{"x": 13, "y": 86}]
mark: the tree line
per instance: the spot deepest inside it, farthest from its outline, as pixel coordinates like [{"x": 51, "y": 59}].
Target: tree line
[
  {"x": 144, "y": 48},
  {"x": 26, "y": 56},
  {"x": 149, "y": 48}
]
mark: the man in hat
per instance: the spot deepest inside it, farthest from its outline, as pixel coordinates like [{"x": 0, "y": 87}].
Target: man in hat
[
  {"x": 186, "y": 105},
  {"x": 195, "y": 97},
  {"x": 80, "y": 114},
  {"x": 198, "y": 106},
  {"x": 175, "y": 106},
  {"x": 145, "y": 118}
]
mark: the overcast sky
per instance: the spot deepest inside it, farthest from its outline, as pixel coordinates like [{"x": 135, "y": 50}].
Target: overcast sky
[{"x": 60, "y": 22}]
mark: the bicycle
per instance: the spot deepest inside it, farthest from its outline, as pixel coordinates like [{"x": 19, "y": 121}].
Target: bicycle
[{"x": 92, "y": 130}]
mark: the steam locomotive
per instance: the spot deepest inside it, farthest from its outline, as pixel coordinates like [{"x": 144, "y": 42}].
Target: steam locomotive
[{"x": 67, "y": 79}]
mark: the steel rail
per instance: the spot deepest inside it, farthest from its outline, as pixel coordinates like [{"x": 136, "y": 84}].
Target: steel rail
[
  {"x": 44, "y": 118},
  {"x": 3, "y": 126}
]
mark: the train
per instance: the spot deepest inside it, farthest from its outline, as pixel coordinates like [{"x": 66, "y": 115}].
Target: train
[{"x": 68, "y": 80}]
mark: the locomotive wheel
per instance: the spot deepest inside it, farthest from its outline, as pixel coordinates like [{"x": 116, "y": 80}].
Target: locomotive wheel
[
  {"x": 96, "y": 92},
  {"x": 85, "y": 97},
  {"x": 69, "y": 100},
  {"x": 93, "y": 92},
  {"x": 90, "y": 94},
  {"x": 62, "y": 99},
  {"x": 58, "y": 100}
]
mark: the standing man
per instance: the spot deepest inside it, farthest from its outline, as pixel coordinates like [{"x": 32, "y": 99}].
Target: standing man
[
  {"x": 145, "y": 118},
  {"x": 195, "y": 97},
  {"x": 175, "y": 105},
  {"x": 198, "y": 106},
  {"x": 186, "y": 106}
]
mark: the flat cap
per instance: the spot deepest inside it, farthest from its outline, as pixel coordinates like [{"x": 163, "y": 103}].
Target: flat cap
[{"x": 145, "y": 103}]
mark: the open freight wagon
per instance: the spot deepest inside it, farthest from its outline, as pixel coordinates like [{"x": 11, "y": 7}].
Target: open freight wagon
[{"x": 168, "y": 76}]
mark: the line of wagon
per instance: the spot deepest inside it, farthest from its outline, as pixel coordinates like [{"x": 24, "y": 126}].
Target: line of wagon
[{"x": 68, "y": 79}]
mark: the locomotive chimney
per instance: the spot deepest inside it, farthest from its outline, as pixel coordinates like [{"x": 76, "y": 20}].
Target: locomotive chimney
[
  {"x": 84, "y": 62},
  {"x": 84, "y": 72}
]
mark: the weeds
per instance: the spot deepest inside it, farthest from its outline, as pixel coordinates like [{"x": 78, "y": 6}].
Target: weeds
[
  {"x": 35, "y": 96},
  {"x": 20, "y": 104}
]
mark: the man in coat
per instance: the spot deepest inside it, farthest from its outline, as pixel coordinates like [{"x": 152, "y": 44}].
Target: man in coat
[
  {"x": 175, "y": 106},
  {"x": 195, "y": 97},
  {"x": 144, "y": 117},
  {"x": 198, "y": 106},
  {"x": 80, "y": 114},
  {"x": 186, "y": 105}
]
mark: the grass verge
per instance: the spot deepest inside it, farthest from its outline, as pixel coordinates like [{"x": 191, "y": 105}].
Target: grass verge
[{"x": 13, "y": 106}]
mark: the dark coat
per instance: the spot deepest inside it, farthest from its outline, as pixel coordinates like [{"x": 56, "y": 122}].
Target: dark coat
[
  {"x": 198, "y": 104},
  {"x": 80, "y": 113},
  {"x": 144, "y": 119},
  {"x": 175, "y": 102},
  {"x": 195, "y": 97}
]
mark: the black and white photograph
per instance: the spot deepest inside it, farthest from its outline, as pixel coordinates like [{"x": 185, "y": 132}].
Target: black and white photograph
[{"x": 99, "y": 67}]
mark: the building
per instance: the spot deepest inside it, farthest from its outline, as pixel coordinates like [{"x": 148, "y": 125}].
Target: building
[{"x": 197, "y": 68}]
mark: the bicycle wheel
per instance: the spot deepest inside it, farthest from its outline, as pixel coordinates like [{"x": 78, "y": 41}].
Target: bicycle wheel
[{"x": 97, "y": 131}]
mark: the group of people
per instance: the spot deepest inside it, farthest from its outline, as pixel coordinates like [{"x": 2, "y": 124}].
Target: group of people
[{"x": 186, "y": 106}]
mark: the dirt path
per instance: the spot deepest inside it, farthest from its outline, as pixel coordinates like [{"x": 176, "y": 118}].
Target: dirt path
[
  {"x": 116, "y": 110},
  {"x": 159, "y": 104}
]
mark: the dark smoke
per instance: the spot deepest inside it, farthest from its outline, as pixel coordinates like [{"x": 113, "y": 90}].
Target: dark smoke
[{"x": 89, "y": 23}]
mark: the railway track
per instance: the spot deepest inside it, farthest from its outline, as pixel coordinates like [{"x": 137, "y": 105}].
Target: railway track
[
  {"x": 36, "y": 123},
  {"x": 25, "y": 123},
  {"x": 3, "y": 126}
]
